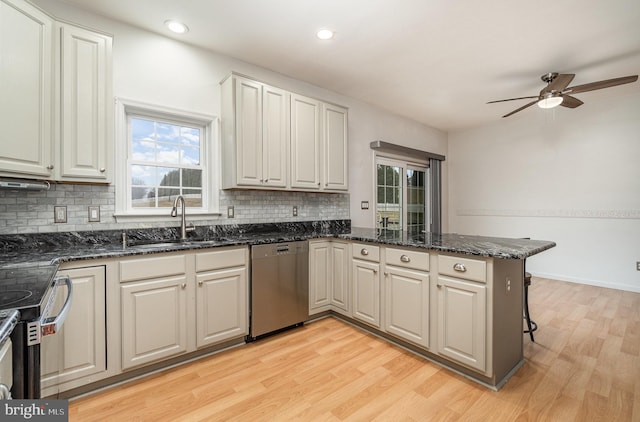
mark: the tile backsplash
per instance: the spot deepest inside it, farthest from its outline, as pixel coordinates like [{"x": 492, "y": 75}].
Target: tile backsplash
[{"x": 33, "y": 211}]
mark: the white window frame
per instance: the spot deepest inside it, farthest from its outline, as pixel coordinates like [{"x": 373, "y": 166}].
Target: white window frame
[{"x": 209, "y": 153}]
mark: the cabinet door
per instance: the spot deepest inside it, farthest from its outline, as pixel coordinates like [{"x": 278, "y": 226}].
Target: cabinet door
[
  {"x": 85, "y": 90},
  {"x": 26, "y": 43},
  {"x": 275, "y": 136},
  {"x": 248, "y": 114},
  {"x": 366, "y": 291},
  {"x": 154, "y": 320},
  {"x": 407, "y": 304},
  {"x": 78, "y": 349},
  {"x": 334, "y": 121},
  {"x": 319, "y": 276},
  {"x": 462, "y": 321},
  {"x": 305, "y": 142},
  {"x": 340, "y": 277},
  {"x": 221, "y": 306}
]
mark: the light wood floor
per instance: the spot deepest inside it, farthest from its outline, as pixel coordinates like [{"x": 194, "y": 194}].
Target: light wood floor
[{"x": 584, "y": 366}]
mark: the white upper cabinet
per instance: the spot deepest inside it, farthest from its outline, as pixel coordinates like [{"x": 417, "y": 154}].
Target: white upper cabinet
[
  {"x": 55, "y": 107},
  {"x": 305, "y": 142},
  {"x": 86, "y": 112},
  {"x": 26, "y": 147},
  {"x": 275, "y": 139},
  {"x": 318, "y": 145},
  {"x": 255, "y": 133},
  {"x": 334, "y": 122}
]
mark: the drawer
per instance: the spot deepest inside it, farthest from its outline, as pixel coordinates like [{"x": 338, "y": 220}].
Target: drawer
[
  {"x": 407, "y": 258},
  {"x": 147, "y": 268},
  {"x": 223, "y": 258},
  {"x": 468, "y": 269},
  {"x": 366, "y": 252}
]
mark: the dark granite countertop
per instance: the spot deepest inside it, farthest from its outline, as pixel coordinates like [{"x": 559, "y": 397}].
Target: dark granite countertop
[
  {"x": 54, "y": 248},
  {"x": 495, "y": 247}
]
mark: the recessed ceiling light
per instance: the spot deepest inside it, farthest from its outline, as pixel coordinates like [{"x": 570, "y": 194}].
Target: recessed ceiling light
[
  {"x": 325, "y": 34},
  {"x": 177, "y": 27}
]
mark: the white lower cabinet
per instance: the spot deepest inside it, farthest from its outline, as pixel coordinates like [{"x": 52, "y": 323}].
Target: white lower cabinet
[
  {"x": 176, "y": 303},
  {"x": 339, "y": 281},
  {"x": 320, "y": 270},
  {"x": 221, "y": 296},
  {"x": 365, "y": 280},
  {"x": 329, "y": 277},
  {"x": 462, "y": 311},
  {"x": 407, "y": 304},
  {"x": 154, "y": 320},
  {"x": 77, "y": 351},
  {"x": 366, "y": 291}
]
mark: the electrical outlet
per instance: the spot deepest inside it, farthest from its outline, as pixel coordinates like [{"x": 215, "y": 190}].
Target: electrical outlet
[
  {"x": 230, "y": 212},
  {"x": 60, "y": 214},
  {"x": 295, "y": 211},
  {"x": 364, "y": 205},
  {"x": 94, "y": 214}
]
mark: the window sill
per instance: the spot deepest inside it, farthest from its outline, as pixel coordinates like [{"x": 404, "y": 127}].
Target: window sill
[{"x": 164, "y": 217}]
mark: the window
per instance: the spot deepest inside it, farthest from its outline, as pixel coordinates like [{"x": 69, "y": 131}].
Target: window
[{"x": 168, "y": 153}]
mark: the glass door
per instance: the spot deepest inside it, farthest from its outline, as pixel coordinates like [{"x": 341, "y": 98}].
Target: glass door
[
  {"x": 416, "y": 200},
  {"x": 401, "y": 203}
]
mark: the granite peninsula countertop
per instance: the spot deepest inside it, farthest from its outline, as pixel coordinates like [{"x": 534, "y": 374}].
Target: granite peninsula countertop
[
  {"x": 32, "y": 250},
  {"x": 494, "y": 247}
]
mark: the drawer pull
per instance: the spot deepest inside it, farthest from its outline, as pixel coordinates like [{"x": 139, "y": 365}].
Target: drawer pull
[
  {"x": 364, "y": 252},
  {"x": 405, "y": 258},
  {"x": 183, "y": 285},
  {"x": 460, "y": 267}
]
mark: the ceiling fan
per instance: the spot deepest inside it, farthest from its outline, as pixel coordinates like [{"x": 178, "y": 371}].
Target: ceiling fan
[{"x": 557, "y": 91}]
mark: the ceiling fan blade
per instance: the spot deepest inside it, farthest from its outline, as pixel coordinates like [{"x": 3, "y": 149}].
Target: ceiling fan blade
[
  {"x": 559, "y": 83},
  {"x": 600, "y": 84},
  {"x": 511, "y": 99},
  {"x": 522, "y": 108},
  {"x": 571, "y": 102}
]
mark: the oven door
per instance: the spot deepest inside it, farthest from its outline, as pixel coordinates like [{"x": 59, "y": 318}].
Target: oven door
[
  {"x": 53, "y": 314},
  {"x": 51, "y": 345}
]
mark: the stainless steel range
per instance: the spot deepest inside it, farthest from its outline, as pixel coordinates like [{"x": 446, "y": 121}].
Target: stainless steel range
[{"x": 31, "y": 291}]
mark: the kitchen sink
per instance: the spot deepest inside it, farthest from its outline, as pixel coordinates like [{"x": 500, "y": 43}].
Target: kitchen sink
[
  {"x": 172, "y": 243},
  {"x": 160, "y": 245}
]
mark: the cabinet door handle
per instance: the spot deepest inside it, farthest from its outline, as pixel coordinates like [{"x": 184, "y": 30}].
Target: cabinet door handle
[
  {"x": 439, "y": 285},
  {"x": 102, "y": 170},
  {"x": 318, "y": 183},
  {"x": 200, "y": 283},
  {"x": 386, "y": 273},
  {"x": 183, "y": 285},
  {"x": 364, "y": 252},
  {"x": 405, "y": 258},
  {"x": 459, "y": 267},
  {"x": 50, "y": 167},
  {"x": 375, "y": 271}
]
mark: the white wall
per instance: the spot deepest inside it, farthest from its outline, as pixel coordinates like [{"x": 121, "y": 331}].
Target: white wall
[
  {"x": 570, "y": 176},
  {"x": 151, "y": 68}
]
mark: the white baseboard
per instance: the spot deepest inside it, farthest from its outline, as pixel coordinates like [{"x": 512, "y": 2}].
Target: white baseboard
[{"x": 597, "y": 283}]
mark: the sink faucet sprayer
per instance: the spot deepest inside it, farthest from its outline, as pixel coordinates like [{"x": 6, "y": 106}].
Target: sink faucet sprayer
[{"x": 183, "y": 224}]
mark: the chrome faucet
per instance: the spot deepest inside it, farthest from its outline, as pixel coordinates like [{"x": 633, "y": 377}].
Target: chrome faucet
[{"x": 183, "y": 224}]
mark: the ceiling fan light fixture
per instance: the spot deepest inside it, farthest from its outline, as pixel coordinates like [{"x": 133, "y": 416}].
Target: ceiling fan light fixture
[{"x": 550, "y": 102}]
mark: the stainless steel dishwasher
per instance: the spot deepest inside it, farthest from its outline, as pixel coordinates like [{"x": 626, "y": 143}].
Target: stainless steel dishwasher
[{"x": 279, "y": 287}]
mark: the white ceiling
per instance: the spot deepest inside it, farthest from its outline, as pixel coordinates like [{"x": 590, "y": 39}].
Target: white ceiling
[{"x": 434, "y": 61}]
